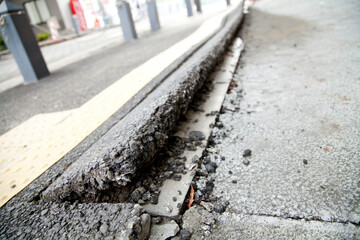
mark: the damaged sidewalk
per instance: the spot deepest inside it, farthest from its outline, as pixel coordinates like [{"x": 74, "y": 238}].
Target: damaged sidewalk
[{"x": 77, "y": 196}]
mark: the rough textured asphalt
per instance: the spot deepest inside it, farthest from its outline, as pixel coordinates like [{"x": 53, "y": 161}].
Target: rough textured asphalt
[
  {"x": 75, "y": 84},
  {"x": 75, "y": 221},
  {"x": 298, "y": 98}
]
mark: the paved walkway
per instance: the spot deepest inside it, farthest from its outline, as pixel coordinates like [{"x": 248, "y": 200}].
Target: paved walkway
[
  {"x": 67, "y": 52},
  {"x": 298, "y": 95}
]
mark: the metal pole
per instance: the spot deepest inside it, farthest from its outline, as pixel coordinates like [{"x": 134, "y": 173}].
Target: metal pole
[
  {"x": 126, "y": 20},
  {"x": 198, "y": 6},
  {"x": 153, "y": 15},
  {"x": 76, "y": 24},
  {"x": 228, "y": 2},
  {"x": 20, "y": 40},
  {"x": 189, "y": 8}
]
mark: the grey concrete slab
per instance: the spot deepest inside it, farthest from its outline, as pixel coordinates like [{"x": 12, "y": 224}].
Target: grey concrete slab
[
  {"x": 235, "y": 226},
  {"x": 205, "y": 225},
  {"x": 298, "y": 98}
]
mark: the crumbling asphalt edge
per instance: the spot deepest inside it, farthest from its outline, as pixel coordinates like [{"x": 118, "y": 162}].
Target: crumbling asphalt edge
[{"x": 111, "y": 163}]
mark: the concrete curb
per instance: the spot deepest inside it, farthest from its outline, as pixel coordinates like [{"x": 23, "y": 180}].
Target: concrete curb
[{"x": 104, "y": 170}]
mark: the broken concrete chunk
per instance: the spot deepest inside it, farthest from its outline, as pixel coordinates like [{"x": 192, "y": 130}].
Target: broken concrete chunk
[
  {"x": 196, "y": 136},
  {"x": 164, "y": 231}
]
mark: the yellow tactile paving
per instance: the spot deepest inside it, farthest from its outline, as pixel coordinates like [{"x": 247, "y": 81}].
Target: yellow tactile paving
[{"x": 31, "y": 148}]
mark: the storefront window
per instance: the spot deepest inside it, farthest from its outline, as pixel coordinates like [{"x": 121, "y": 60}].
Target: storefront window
[{"x": 37, "y": 11}]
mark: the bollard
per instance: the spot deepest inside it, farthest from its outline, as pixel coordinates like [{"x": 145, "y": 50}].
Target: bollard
[
  {"x": 198, "y": 6},
  {"x": 189, "y": 8},
  {"x": 20, "y": 40},
  {"x": 76, "y": 24},
  {"x": 228, "y": 2},
  {"x": 153, "y": 15},
  {"x": 126, "y": 20}
]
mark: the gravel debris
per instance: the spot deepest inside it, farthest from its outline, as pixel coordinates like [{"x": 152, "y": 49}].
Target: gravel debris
[
  {"x": 185, "y": 234},
  {"x": 247, "y": 153},
  {"x": 196, "y": 136}
]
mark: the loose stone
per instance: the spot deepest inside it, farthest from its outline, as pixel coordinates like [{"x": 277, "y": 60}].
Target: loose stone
[
  {"x": 247, "y": 153},
  {"x": 219, "y": 208},
  {"x": 185, "y": 234},
  {"x": 177, "y": 177},
  {"x": 196, "y": 135},
  {"x": 246, "y": 162}
]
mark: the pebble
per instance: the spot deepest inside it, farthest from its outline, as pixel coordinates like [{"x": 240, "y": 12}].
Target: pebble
[
  {"x": 185, "y": 234},
  {"x": 247, "y": 153},
  {"x": 219, "y": 208},
  {"x": 246, "y": 162},
  {"x": 153, "y": 187},
  {"x": 206, "y": 160},
  {"x": 195, "y": 159},
  {"x": 196, "y": 135},
  {"x": 210, "y": 168},
  {"x": 174, "y": 199},
  {"x": 305, "y": 161},
  {"x": 146, "y": 196},
  {"x": 206, "y": 228},
  {"x": 191, "y": 148},
  {"x": 157, "y": 220},
  {"x": 104, "y": 228},
  {"x": 154, "y": 199},
  {"x": 234, "y": 181},
  {"x": 197, "y": 199},
  {"x": 177, "y": 177},
  {"x": 136, "y": 194},
  {"x": 207, "y": 206},
  {"x": 168, "y": 174}
]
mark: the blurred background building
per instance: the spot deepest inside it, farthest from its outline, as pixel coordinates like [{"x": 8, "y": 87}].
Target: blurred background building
[{"x": 94, "y": 13}]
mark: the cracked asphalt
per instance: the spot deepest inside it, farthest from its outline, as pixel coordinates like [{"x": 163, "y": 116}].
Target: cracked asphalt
[{"x": 298, "y": 85}]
